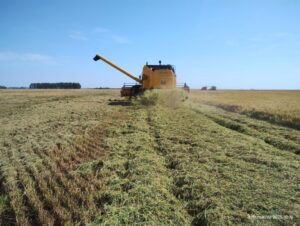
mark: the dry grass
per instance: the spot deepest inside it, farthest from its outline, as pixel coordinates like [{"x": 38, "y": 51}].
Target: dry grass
[
  {"x": 276, "y": 106},
  {"x": 45, "y": 136},
  {"x": 77, "y": 157}
]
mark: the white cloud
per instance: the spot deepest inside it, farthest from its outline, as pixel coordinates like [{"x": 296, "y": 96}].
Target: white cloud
[
  {"x": 78, "y": 35},
  {"x": 33, "y": 57},
  {"x": 120, "y": 39}
]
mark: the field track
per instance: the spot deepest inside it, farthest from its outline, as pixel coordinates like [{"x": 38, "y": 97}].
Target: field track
[{"x": 89, "y": 157}]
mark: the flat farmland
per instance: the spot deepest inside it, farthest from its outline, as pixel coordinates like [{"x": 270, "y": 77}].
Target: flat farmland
[
  {"x": 276, "y": 106},
  {"x": 89, "y": 157}
]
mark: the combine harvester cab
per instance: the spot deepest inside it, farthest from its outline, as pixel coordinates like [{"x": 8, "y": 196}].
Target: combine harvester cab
[{"x": 153, "y": 77}]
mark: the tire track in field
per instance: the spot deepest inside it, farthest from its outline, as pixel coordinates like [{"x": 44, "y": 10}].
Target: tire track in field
[
  {"x": 74, "y": 187},
  {"x": 39, "y": 184},
  {"x": 274, "y": 141},
  {"x": 183, "y": 185},
  {"x": 16, "y": 182},
  {"x": 49, "y": 178},
  {"x": 138, "y": 188},
  {"x": 47, "y": 184},
  {"x": 289, "y": 134},
  {"x": 275, "y": 119},
  {"x": 7, "y": 216},
  {"x": 260, "y": 125},
  {"x": 234, "y": 124},
  {"x": 207, "y": 162}
]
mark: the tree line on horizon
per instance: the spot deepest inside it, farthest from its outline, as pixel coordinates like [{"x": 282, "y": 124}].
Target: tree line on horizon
[{"x": 59, "y": 85}]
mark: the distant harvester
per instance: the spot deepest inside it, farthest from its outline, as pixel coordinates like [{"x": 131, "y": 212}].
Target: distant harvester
[{"x": 209, "y": 88}]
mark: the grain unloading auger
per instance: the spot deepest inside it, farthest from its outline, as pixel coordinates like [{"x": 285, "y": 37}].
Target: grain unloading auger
[{"x": 153, "y": 77}]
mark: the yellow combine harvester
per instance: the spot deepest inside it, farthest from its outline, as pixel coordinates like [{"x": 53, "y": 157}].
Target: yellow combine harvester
[{"x": 153, "y": 77}]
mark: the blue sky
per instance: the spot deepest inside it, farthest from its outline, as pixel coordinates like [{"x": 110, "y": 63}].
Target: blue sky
[{"x": 228, "y": 43}]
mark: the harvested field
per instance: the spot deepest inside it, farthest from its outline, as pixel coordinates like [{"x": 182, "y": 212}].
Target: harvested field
[
  {"x": 281, "y": 107},
  {"x": 89, "y": 157}
]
